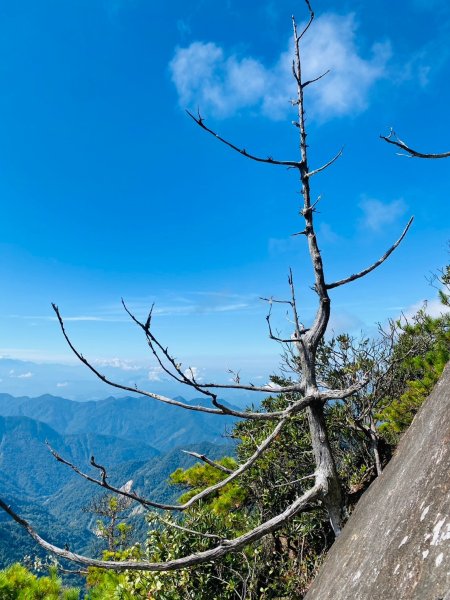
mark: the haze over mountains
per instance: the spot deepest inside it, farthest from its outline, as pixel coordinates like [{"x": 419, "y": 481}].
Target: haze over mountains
[
  {"x": 137, "y": 419},
  {"x": 134, "y": 438},
  {"x": 76, "y": 382}
]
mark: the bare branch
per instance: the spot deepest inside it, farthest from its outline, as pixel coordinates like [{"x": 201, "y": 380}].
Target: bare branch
[
  {"x": 127, "y": 388},
  {"x": 244, "y": 467},
  {"x": 203, "y": 387},
  {"x": 271, "y": 334},
  {"x": 220, "y": 409},
  {"x": 81, "y": 572},
  {"x": 269, "y": 160},
  {"x": 104, "y": 484},
  {"x": 318, "y": 328},
  {"x": 154, "y": 343},
  {"x": 234, "y": 545},
  {"x": 200, "y": 495},
  {"x": 101, "y": 468},
  {"x": 315, "y": 79},
  {"x": 393, "y": 139},
  {"x": 375, "y": 264},
  {"x": 345, "y": 393},
  {"x": 323, "y": 167},
  {"x": 299, "y": 330},
  {"x": 307, "y": 26},
  {"x": 208, "y": 461},
  {"x": 272, "y": 300}
]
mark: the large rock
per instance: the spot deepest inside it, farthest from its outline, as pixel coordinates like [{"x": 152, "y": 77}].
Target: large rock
[{"x": 396, "y": 544}]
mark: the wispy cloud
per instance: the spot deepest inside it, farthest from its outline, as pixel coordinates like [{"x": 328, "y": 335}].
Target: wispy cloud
[
  {"x": 90, "y": 318},
  {"x": 193, "y": 373},
  {"x": 198, "y": 308},
  {"x": 195, "y": 302},
  {"x": 279, "y": 246},
  {"x": 107, "y": 319},
  {"x": 346, "y": 89},
  {"x": 327, "y": 233},
  {"x": 117, "y": 363},
  {"x": 26, "y": 375},
  {"x": 377, "y": 214},
  {"x": 434, "y": 308},
  {"x": 33, "y": 354},
  {"x": 155, "y": 374},
  {"x": 62, "y": 384},
  {"x": 183, "y": 27},
  {"x": 224, "y": 83},
  {"x": 425, "y": 63},
  {"x": 344, "y": 321}
]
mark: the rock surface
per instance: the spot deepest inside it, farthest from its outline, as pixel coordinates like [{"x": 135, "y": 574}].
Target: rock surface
[{"x": 396, "y": 544}]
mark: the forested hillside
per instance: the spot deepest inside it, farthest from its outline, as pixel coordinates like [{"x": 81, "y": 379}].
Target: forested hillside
[
  {"x": 131, "y": 418},
  {"x": 53, "y": 497}
]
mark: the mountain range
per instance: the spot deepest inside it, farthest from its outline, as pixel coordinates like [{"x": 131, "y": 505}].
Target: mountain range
[
  {"x": 137, "y": 419},
  {"x": 136, "y": 439}
]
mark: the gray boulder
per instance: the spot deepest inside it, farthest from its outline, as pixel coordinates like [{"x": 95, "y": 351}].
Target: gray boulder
[{"x": 396, "y": 544}]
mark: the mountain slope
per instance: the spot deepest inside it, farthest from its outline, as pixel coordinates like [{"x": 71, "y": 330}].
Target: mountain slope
[
  {"x": 26, "y": 460},
  {"x": 52, "y": 497},
  {"x": 137, "y": 419}
]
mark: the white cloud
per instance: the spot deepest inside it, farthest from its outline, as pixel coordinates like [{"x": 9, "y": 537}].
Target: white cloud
[
  {"x": 434, "y": 308},
  {"x": 377, "y": 214},
  {"x": 85, "y": 318},
  {"x": 117, "y": 363},
  {"x": 343, "y": 321},
  {"x": 199, "y": 308},
  {"x": 36, "y": 355},
  {"x": 332, "y": 46},
  {"x": 205, "y": 76},
  {"x": 230, "y": 307},
  {"x": 62, "y": 384},
  {"x": 26, "y": 375},
  {"x": 423, "y": 64},
  {"x": 155, "y": 374},
  {"x": 193, "y": 373},
  {"x": 274, "y": 386},
  {"x": 67, "y": 319}
]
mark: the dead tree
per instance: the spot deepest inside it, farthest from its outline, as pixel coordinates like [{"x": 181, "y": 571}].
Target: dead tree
[
  {"x": 325, "y": 489},
  {"x": 392, "y": 138}
]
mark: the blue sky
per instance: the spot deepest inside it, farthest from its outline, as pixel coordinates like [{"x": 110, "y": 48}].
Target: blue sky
[{"x": 108, "y": 189}]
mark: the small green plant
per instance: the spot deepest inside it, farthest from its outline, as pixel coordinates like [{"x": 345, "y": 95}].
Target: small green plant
[{"x": 18, "y": 583}]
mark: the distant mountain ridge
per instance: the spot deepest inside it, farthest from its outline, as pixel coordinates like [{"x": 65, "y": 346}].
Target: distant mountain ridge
[
  {"x": 25, "y": 458},
  {"x": 134, "y": 438},
  {"x": 138, "y": 419}
]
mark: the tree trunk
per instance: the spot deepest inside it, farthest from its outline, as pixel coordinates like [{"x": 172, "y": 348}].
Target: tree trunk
[{"x": 326, "y": 467}]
